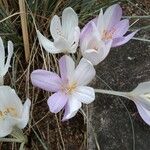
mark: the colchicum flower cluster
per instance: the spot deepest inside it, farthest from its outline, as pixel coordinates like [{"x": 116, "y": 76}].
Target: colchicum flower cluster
[
  {"x": 97, "y": 37},
  {"x": 69, "y": 86}
]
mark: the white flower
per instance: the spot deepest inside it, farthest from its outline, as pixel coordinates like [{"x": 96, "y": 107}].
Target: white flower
[
  {"x": 12, "y": 112},
  {"x": 65, "y": 34},
  {"x": 4, "y": 66}
]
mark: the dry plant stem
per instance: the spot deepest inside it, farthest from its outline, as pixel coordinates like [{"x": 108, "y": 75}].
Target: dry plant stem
[
  {"x": 24, "y": 29},
  {"x": 60, "y": 133},
  {"x": 10, "y": 140}
]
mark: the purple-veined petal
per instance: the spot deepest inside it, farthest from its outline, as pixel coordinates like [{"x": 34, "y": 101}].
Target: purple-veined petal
[
  {"x": 85, "y": 35},
  {"x": 121, "y": 28},
  {"x": 123, "y": 40},
  {"x": 84, "y": 72},
  {"x": 47, "y": 44},
  {"x": 84, "y": 94},
  {"x": 57, "y": 101},
  {"x": 90, "y": 38},
  {"x": 112, "y": 16},
  {"x": 71, "y": 108},
  {"x": 144, "y": 113},
  {"x": 46, "y": 80},
  {"x": 69, "y": 23},
  {"x": 67, "y": 66},
  {"x": 56, "y": 28}
]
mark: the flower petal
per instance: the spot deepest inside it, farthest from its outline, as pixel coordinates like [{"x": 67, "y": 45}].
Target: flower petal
[
  {"x": 6, "y": 126},
  {"x": 57, "y": 101},
  {"x": 85, "y": 35},
  {"x": 67, "y": 66},
  {"x": 10, "y": 53},
  {"x": 47, "y": 44},
  {"x": 46, "y": 80},
  {"x": 121, "y": 28},
  {"x": 100, "y": 23},
  {"x": 56, "y": 28},
  {"x": 123, "y": 40},
  {"x": 2, "y": 53},
  {"x": 84, "y": 94},
  {"x": 97, "y": 56},
  {"x": 142, "y": 88},
  {"x": 25, "y": 115},
  {"x": 76, "y": 40},
  {"x": 63, "y": 45},
  {"x": 112, "y": 16},
  {"x": 71, "y": 108},
  {"x": 144, "y": 113},
  {"x": 69, "y": 23},
  {"x": 89, "y": 37},
  {"x": 9, "y": 98},
  {"x": 84, "y": 72}
]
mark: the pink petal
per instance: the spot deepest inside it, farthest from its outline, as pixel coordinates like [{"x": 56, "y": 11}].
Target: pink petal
[
  {"x": 46, "y": 80},
  {"x": 123, "y": 40},
  {"x": 67, "y": 66},
  {"x": 121, "y": 28},
  {"x": 71, "y": 108},
  {"x": 144, "y": 113},
  {"x": 57, "y": 101},
  {"x": 112, "y": 16},
  {"x": 89, "y": 37}
]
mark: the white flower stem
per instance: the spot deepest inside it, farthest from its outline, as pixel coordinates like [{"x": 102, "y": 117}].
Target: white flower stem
[
  {"x": 123, "y": 94},
  {"x": 1, "y": 80}
]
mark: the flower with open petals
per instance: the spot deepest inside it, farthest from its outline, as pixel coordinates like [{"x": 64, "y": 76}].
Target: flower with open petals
[
  {"x": 92, "y": 46},
  {"x": 4, "y": 66},
  {"x": 111, "y": 27},
  {"x": 140, "y": 96},
  {"x": 12, "y": 112},
  {"x": 65, "y": 33},
  {"x": 70, "y": 89}
]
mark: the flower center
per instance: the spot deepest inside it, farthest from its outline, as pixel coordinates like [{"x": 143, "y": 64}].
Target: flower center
[
  {"x": 107, "y": 35},
  {"x": 69, "y": 88},
  {"x": 8, "y": 111}
]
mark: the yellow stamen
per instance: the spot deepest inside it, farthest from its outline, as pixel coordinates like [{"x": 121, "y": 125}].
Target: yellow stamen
[
  {"x": 107, "y": 35},
  {"x": 69, "y": 88},
  {"x": 8, "y": 111}
]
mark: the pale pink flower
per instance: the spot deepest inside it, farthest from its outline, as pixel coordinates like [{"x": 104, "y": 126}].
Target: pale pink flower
[
  {"x": 105, "y": 31},
  {"x": 70, "y": 89}
]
